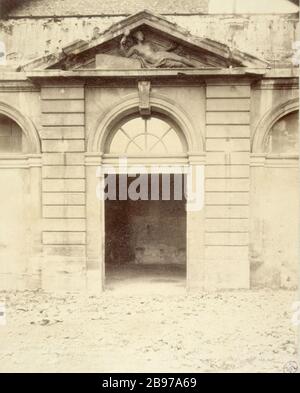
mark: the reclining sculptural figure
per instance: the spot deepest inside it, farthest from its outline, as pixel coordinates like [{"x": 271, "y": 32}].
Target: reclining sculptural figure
[{"x": 150, "y": 57}]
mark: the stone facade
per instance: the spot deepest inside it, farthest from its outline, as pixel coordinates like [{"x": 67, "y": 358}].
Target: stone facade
[{"x": 67, "y": 99}]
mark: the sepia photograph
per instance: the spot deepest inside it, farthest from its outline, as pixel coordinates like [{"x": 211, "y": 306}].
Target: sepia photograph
[{"x": 149, "y": 189}]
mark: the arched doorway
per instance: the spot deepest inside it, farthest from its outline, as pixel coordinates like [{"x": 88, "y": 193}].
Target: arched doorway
[
  {"x": 174, "y": 143},
  {"x": 145, "y": 215}
]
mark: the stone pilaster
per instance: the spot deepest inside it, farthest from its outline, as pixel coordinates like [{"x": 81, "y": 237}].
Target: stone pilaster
[
  {"x": 95, "y": 224},
  {"x": 64, "y": 187},
  {"x": 227, "y": 186}
]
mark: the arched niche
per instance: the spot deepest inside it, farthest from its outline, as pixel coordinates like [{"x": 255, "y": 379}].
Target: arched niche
[
  {"x": 20, "y": 200},
  {"x": 18, "y": 132},
  {"x": 265, "y": 126},
  {"x": 12, "y": 138},
  {"x": 283, "y": 137}
]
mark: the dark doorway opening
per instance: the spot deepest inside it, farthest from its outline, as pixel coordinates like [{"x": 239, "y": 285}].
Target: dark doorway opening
[{"x": 145, "y": 240}]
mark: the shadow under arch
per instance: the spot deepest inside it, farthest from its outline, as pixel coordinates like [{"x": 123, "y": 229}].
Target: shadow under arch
[
  {"x": 267, "y": 122},
  {"x": 26, "y": 125},
  {"x": 129, "y": 106}
]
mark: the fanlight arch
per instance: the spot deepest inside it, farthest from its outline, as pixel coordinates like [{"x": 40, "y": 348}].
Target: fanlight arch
[
  {"x": 162, "y": 108},
  {"x": 155, "y": 135}
]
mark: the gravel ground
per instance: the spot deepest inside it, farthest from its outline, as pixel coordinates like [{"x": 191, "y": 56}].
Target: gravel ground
[{"x": 240, "y": 331}]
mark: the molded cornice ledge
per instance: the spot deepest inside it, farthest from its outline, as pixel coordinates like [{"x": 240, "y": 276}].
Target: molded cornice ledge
[
  {"x": 243, "y": 71},
  {"x": 266, "y": 73}
]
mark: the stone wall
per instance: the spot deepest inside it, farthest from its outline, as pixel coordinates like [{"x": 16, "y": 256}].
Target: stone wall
[{"x": 145, "y": 232}]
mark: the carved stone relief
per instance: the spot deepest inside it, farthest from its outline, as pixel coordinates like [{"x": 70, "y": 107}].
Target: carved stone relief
[{"x": 136, "y": 46}]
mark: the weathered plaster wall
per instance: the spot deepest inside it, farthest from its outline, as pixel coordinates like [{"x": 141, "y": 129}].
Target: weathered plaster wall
[
  {"x": 96, "y": 7},
  {"x": 274, "y": 254},
  {"x": 267, "y": 36},
  {"x": 20, "y": 203},
  {"x": 14, "y": 228},
  {"x": 242, "y": 6},
  {"x": 274, "y": 227}
]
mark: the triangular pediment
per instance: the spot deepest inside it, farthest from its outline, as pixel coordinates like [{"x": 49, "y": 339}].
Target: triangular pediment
[{"x": 144, "y": 40}]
